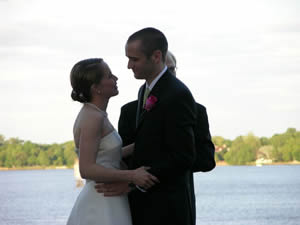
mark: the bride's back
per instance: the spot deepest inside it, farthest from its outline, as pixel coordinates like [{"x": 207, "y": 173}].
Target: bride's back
[{"x": 89, "y": 115}]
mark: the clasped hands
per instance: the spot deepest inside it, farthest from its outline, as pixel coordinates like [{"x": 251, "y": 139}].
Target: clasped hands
[{"x": 141, "y": 179}]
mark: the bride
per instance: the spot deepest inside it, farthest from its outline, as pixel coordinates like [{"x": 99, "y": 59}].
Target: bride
[{"x": 98, "y": 146}]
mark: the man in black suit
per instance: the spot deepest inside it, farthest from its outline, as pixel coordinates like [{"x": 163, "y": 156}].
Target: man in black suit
[
  {"x": 164, "y": 137},
  {"x": 205, "y": 157}
]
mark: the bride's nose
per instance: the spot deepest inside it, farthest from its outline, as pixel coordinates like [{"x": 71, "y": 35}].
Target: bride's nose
[{"x": 115, "y": 77}]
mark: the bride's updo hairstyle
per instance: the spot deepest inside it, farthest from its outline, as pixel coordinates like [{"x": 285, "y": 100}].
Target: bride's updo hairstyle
[{"x": 83, "y": 75}]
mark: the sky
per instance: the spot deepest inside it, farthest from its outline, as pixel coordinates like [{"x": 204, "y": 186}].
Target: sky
[{"x": 241, "y": 59}]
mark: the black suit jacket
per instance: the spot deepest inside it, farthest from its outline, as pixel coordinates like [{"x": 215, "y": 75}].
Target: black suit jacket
[
  {"x": 164, "y": 140},
  {"x": 127, "y": 122},
  {"x": 204, "y": 146},
  {"x": 205, "y": 155}
]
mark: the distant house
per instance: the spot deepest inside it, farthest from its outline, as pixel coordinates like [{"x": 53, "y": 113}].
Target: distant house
[
  {"x": 261, "y": 161},
  {"x": 221, "y": 148}
]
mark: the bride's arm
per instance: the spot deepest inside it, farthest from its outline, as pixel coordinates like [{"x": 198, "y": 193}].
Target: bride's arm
[
  {"x": 127, "y": 150},
  {"x": 90, "y": 136}
]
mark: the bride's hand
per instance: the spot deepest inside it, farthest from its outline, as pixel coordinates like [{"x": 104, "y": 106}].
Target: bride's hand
[
  {"x": 143, "y": 178},
  {"x": 127, "y": 150}
]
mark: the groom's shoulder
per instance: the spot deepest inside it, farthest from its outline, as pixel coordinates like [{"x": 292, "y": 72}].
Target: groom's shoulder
[
  {"x": 130, "y": 106},
  {"x": 200, "y": 107},
  {"x": 178, "y": 86}
]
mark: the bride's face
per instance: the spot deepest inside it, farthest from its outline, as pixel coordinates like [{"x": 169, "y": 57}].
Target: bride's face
[{"x": 108, "y": 84}]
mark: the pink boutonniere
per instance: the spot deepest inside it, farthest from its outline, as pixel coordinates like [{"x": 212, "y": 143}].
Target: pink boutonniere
[{"x": 150, "y": 102}]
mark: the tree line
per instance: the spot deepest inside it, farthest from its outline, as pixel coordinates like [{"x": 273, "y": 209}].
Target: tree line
[
  {"x": 18, "y": 153},
  {"x": 247, "y": 149},
  {"x": 242, "y": 150}
]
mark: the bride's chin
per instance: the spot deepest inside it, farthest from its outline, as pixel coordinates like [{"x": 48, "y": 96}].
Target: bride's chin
[{"x": 116, "y": 93}]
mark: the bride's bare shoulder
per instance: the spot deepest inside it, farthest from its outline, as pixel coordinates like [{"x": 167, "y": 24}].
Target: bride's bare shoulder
[{"x": 88, "y": 118}]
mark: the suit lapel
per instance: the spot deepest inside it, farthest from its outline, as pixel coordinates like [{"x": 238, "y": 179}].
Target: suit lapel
[
  {"x": 156, "y": 91},
  {"x": 140, "y": 102}
]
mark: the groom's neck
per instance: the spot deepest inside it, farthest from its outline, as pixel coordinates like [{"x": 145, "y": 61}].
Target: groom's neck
[{"x": 155, "y": 73}]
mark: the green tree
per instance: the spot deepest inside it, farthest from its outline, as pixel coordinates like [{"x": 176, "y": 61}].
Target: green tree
[
  {"x": 276, "y": 155},
  {"x": 2, "y": 158},
  {"x": 20, "y": 159},
  {"x": 69, "y": 153},
  {"x": 43, "y": 159},
  {"x": 218, "y": 140},
  {"x": 9, "y": 160},
  {"x": 252, "y": 141},
  {"x": 2, "y": 139},
  {"x": 243, "y": 150},
  {"x": 265, "y": 141},
  {"x": 277, "y": 140},
  {"x": 32, "y": 161},
  {"x": 296, "y": 154},
  {"x": 286, "y": 153}
]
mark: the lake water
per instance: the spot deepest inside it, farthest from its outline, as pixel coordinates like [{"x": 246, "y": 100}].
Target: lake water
[{"x": 228, "y": 195}]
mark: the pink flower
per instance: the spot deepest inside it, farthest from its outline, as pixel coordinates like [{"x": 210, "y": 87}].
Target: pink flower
[{"x": 150, "y": 102}]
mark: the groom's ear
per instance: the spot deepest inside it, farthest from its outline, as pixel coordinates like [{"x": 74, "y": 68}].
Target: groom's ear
[{"x": 157, "y": 56}]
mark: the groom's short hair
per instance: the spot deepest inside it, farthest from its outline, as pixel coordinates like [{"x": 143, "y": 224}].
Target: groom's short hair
[{"x": 152, "y": 39}]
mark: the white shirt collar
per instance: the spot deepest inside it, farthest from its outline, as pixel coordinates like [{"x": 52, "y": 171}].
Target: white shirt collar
[{"x": 156, "y": 79}]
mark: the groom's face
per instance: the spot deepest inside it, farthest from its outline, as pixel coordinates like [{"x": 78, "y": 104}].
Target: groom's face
[{"x": 138, "y": 62}]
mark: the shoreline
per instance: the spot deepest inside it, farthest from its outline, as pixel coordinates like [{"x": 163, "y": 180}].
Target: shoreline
[
  {"x": 36, "y": 168},
  {"x": 223, "y": 163},
  {"x": 220, "y": 163}
]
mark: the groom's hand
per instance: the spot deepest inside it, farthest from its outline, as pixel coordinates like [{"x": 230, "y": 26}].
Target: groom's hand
[{"x": 113, "y": 189}]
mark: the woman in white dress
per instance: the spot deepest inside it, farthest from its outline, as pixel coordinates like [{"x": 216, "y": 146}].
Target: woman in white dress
[{"x": 98, "y": 146}]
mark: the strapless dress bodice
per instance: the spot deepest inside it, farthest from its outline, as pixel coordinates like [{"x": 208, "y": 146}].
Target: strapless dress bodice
[{"x": 109, "y": 152}]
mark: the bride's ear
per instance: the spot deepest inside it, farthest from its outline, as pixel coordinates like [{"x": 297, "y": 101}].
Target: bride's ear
[{"x": 95, "y": 89}]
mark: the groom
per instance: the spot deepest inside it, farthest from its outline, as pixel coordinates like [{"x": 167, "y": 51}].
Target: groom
[{"x": 164, "y": 138}]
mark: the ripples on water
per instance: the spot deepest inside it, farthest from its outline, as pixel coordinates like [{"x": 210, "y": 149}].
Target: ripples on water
[
  {"x": 38, "y": 197},
  {"x": 229, "y": 195},
  {"x": 244, "y": 195}
]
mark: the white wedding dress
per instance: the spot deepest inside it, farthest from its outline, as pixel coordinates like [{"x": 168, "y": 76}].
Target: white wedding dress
[{"x": 91, "y": 207}]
